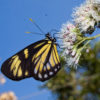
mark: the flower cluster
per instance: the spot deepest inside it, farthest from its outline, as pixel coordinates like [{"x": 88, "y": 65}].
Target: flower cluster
[
  {"x": 86, "y": 19},
  {"x": 87, "y": 16},
  {"x": 70, "y": 35},
  {"x": 8, "y": 96}
]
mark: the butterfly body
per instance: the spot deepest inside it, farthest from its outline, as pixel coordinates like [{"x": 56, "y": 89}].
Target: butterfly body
[{"x": 39, "y": 60}]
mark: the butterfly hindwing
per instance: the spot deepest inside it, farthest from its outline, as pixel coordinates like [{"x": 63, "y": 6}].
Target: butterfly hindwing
[
  {"x": 39, "y": 60},
  {"x": 46, "y": 63}
]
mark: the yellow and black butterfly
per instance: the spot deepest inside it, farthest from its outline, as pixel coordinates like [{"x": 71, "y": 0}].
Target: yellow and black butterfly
[{"x": 39, "y": 60}]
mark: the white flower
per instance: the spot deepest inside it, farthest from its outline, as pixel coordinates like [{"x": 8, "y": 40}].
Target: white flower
[
  {"x": 68, "y": 35},
  {"x": 73, "y": 61},
  {"x": 87, "y": 16}
]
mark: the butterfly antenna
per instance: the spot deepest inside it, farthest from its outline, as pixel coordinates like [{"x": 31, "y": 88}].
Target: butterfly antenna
[
  {"x": 34, "y": 33},
  {"x": 37, "y": 26}
]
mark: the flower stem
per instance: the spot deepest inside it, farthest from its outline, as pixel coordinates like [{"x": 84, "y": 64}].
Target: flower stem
[
  {"x": 88, "y": 40},
  {"x": 85, "y": 45},
  {"x": 94, "y": 37}
]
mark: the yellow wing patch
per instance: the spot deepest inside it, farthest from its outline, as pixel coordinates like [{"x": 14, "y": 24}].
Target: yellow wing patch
[
  {"x": 26, "y": 73},
  {"x": 19, "y": 71},
  {"x": 14, "y": 61},
  {"x": 49, "y": 42},
  {"x": 56, "y": 53},
  {"x": 26, "y": 53},
  {"x": 54, "y": 56},
  {"x": 48, "y": 66},
  {"x": 15, "y": 66},
  {"x": 52, "y": 60}
]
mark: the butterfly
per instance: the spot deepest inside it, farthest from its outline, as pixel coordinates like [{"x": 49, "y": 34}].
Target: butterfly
[{"x": 39, "y": 60}]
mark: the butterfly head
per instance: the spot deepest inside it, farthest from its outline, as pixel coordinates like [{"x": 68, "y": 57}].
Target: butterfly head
[{"x": 48, "y": 36}]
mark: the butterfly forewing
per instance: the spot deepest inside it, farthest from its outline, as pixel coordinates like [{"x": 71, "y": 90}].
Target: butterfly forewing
[
  {"x": 39, "y": 60},
  {"x": 19, "y": 66}
]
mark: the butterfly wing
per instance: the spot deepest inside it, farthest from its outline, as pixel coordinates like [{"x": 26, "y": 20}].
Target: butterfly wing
[
  {"x": 39, "y": 60},
  {"x": 46, "y": 62},
  {"x": 19, "y": 66}
]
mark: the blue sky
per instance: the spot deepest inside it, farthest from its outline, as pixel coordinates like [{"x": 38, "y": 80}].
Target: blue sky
[{"x": 14, "y": 22}]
